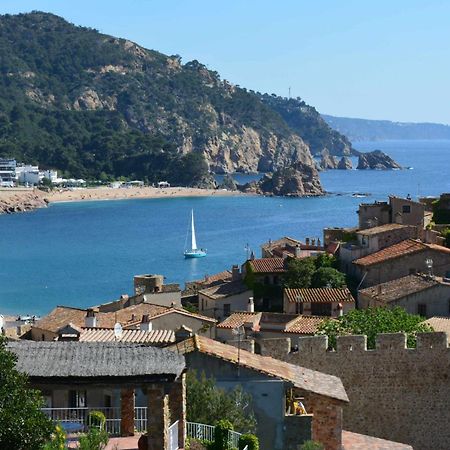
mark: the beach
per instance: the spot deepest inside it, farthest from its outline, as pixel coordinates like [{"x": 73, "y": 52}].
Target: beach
[{"x": 15, "y": 198}]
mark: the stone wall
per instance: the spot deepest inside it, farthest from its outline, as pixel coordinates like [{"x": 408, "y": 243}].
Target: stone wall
[{"x": 395, "y": 393}]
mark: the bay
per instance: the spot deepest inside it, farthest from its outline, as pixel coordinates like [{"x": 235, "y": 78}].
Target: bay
[{"x": 85, "y": 253}]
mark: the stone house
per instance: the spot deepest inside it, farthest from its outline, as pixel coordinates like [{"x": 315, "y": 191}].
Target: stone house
[
  {"x": 110, "y": 378},
  {"x": 398, "y": 210},
  {"x": 271, "y": 383},
  {"x": 142, "y": 316},
  {"x": 220, "y": 300},
  {"x": 372, "y": 240},
  {"x": 396, "y": 393},
  {"x": 417, "y": 294},
  {"x": 405, "y": 258},
  {"x": 287, "y": 247},
  {"x": 262, "y": 325},
  {"x": 330, "y": 302}
]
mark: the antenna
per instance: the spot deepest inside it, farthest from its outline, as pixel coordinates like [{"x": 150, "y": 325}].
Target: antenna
[{"x": 289, "y": 92}]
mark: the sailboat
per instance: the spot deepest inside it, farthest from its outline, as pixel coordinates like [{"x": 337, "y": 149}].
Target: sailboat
[{"x": 194, "y": 252}]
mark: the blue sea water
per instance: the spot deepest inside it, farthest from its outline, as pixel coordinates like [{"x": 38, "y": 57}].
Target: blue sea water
[{"x": 86, "y": 253}]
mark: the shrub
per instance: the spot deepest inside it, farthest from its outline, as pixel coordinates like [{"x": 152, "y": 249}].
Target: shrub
[
  {"x": 93, "y": 440},
  {"x": 222, "y": 427},
  {"x": 58, "y": 439},
  {"x": 312, "y": 445},
  {"x": 249, "y": 439},
  {"x": 96, "y": 419}
]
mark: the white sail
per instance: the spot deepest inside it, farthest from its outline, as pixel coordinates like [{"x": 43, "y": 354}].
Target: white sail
[{"x": 193, "y": 241}]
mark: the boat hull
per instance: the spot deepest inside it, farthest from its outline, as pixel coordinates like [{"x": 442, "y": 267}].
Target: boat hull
[{"x": 194, "y": 254}]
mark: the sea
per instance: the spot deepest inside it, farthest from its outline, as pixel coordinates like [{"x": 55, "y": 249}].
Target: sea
[{"x": 85, "y": 253}]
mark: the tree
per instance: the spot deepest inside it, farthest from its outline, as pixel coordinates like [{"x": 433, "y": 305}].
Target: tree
[
  {"x": 328, "y": 277},
  {"x": 299, "y": 273},
  {"x": 373, "y": 321},
  {"x": 207, "y": 403},
  {"x": 23, "y": 426}
]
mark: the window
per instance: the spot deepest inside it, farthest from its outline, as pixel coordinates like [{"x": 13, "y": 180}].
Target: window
[
  {"x": 422, "y": 309},
  {"x": 299, "y": 308},
  {"x": 226, "y": 309},
  {"x": 77, "y": 399},
  {"x": 406, "y": 209}
]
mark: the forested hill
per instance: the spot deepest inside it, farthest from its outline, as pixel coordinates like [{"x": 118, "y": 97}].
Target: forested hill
[
  {"x": 376, "y": 130},
  {"x": 93, "y": 105}
]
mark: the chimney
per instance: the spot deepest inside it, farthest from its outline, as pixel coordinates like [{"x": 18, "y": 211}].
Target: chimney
[
  {"x": 250, "y": 305},
  {"x": 340, "y": 308},
  {"x": 313, "y": 242},
  {"x": 90, "y": 321},
  {"x": 307, "y": 241},
  {"x": 318, "y": 242},
  {"x": 146, "y": 325},
  {"x": 235, "y": 273},
  {"x": 297, "y": 251}
]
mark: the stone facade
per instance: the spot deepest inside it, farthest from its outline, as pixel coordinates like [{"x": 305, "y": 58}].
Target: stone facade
[
  {"x": 127, "y": 412},
  {"x": 395, "y": 393}
]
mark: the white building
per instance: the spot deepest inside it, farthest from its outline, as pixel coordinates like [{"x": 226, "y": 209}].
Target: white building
[
  {"x": 27, "y": 174},
  {"x": 7, "y": 172}
]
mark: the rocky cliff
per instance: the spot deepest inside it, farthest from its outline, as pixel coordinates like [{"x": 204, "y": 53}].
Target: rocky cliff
[
  {"x": 20, "y": 201},
  {"x": 95, "y": 106},
  {"x": 377, "y": 160},
  {"x": 345, "y": 164}
]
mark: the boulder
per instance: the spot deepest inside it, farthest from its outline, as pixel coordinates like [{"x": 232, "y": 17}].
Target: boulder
[
  {"x": 228, "y": 183},
  {"x": 328, "y": 161},
  {"x": 377, "y": 160},
  {"x": 345, "y": 164}
]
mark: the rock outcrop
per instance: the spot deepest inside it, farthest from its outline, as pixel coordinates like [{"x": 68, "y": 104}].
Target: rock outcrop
[
  {"x": 16, "y": 201},
  {"x": 328, "y": 161},
  {"x": 300, "y": 180},
  {"x": 345, "y": 164},
  {"x": 377, "y": 160},
  {"x": 228, "y": 183}
]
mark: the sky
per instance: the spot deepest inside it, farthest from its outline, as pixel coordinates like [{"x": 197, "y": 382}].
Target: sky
[{"x": 374, "y": 59}]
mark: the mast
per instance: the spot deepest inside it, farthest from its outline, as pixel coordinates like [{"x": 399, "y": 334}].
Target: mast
[{"x": 193, "y": 241}]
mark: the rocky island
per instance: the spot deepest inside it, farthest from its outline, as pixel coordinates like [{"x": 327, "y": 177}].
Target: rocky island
[{"x": 377, "y": 160}]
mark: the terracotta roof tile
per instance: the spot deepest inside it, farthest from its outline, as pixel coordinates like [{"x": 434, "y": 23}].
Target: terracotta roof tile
[
  {"x": 305, "y": 324},
  {"x": 401, "y": 287},
  {"x": 268, "y": 265},
  {"x": 209, "y": 279},
  {"x": 129, "y": 336},
  {"x": 383, "y": 229},
  {"x": 318, "y": 295},
  {"x": 238, "y": 319},
  {"x": 403, "y": 248},
  {"x": 225, "y": 289},
  {"x": 355, "y": 441},
  {"x": 439, "y": 324},
  {"x": 307, "y": 379}
]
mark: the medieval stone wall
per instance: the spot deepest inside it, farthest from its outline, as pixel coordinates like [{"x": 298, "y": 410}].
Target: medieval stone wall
[{"x": 395, "y": 392}]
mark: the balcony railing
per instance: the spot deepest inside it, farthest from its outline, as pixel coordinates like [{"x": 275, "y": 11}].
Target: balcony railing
[
  {"x": 75, "y": 420},
  {"x": 201, "y": 431},
  {"x": 173, "y": 436}
]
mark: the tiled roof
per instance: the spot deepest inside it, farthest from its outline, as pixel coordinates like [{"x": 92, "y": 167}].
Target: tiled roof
[
  {"x": 399, "y": 288},
  {"x": 238, "y": 319},
  {"x": 209, "y": 279},
  {"x": 355, "y": 441},
  {"x": 318, "y": 295},
  {"x": 302, "y": 378},
  {"x": 305, "y": 324},
  {"x": 439, "y": 324},
  {"x": 183, "y": 312},
  {"x": 94, "y": 359},
  {"x": 383, "y": 229},
  {"x": 286, "y": 240},
  {"x": 130, "y": 336},
  {"x": 225, "y": 289},
  {"x": 267, "y": 265},
  {"x": 403, "y": 248},
  {"x": 130, "y": 316}
]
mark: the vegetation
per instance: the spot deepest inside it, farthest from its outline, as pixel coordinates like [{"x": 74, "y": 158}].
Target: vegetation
[
  {"x": 96, "y": 419},
  {"x": 446, "y": 234},
  {"x": 250, "y": 440},
  {"x": 95, "y": 106},
  {"x": 373, "y": 321},
  {"x": 94, "y": 439},
  {"x": 312, "y": 445},
  {"x": 207, "y": 403},
  {"x": 221, "y": 431},
  {"x": 441, "y": 215},
  {"x": 23, "y": 426},
  {"x": 314, "y": 272}
]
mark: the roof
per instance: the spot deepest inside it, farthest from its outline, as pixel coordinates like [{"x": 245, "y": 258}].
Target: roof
[
  {"x": 285, "y": 240},
  {"x": 184, "y": 312},
  {"x": 294, "y": 323},
  {"x": 154, "y": 337},
  {"x": 318, "y": 295},
  {"x": 209, "y": 279},
  {"x": 225, "y": 289},
  {"x": 355, "y": 441},
  {"x": 129, "y": 316},
  {"x": 383, "y": 229},
  {"x": 94, "y": 359},
  {"x": 439, "y": 324},
  {"x": 403, "y": 248},
  {"x": 302, "y": 378},
  {"x": 267, "y": 265},
  {"x": 399, "y": 288}
]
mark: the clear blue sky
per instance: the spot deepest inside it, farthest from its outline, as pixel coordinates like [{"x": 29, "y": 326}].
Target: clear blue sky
[{"x": 377, "y": 59}]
